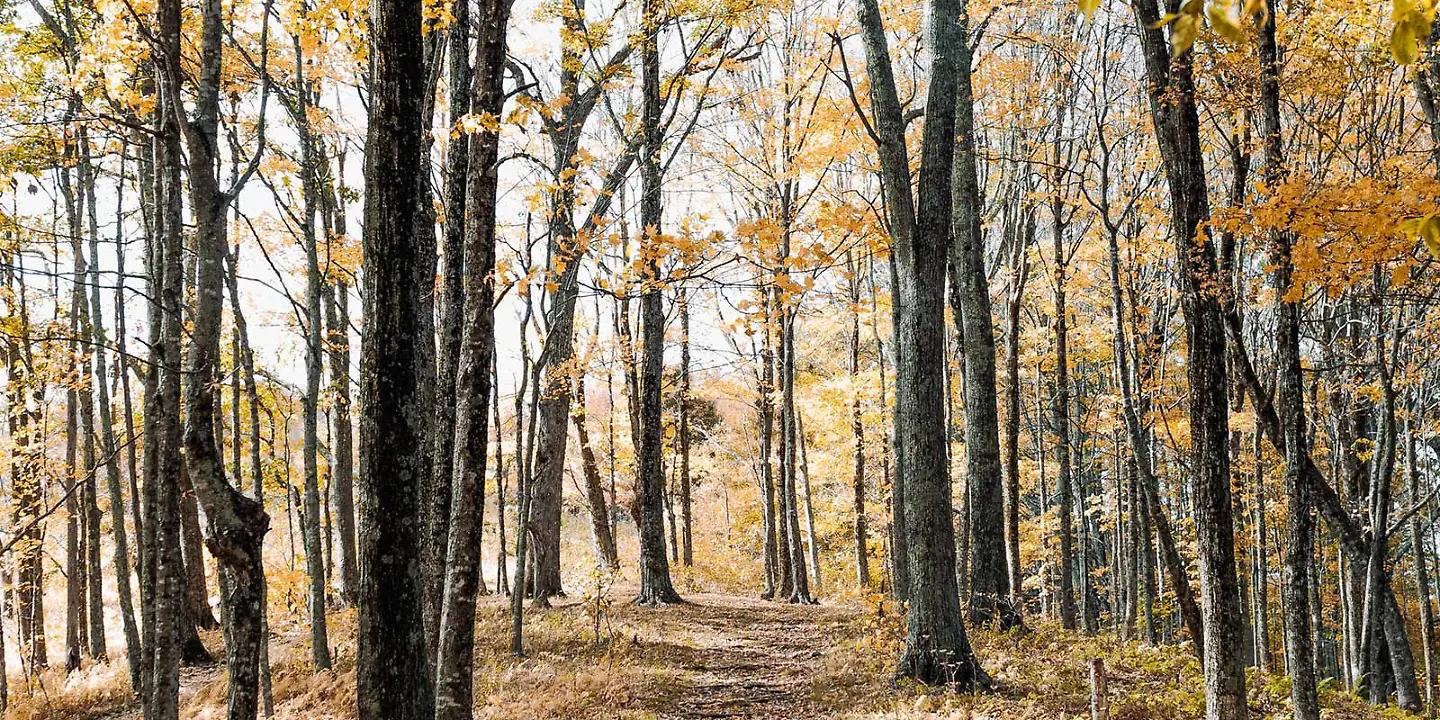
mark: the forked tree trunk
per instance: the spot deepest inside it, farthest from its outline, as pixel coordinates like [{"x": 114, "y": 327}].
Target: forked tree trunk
[{"x": 937, "y": 650}]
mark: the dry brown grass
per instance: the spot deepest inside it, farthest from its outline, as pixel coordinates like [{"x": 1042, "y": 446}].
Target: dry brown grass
[{"x": 719, "y": 654}]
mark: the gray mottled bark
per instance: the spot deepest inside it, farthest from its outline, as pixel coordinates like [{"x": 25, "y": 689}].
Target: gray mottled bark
[
  {"x": 454, "y": 666},
  {"x": 1177, "y": 129},
  {"x": 970, "y": 298},
  {"x": 895, "y": 177},
  {"x": 937, "y": 650},
  {"x": 392, "y": 671}
]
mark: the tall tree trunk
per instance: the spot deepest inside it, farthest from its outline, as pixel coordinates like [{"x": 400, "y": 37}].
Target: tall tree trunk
[
  {"x": 163, "y": 587},
  {"x": 1261, "y": 563},
  {"x": 937, "y": 649},
  {"x": 95, "y": 590},
  {"x": 455, "y": 663},
  {"x": 895, "y": 178},
  {"x": 970, "y": 299},
  {"x": 857, "y": 430},
  {"x": 1013, "y": 304},
  {"x": 789, "y": 459},
  {"x": 1060, "y": 422},
  {"x": 809, "y": 507},
  {"x": 1177, "y": 128},
  {"x": 687, "y": 551},
  {"x": 502, "y": 569},
  {"x": 237, "y": 524},
  {"x": 1422, "y": 571},
  {"x": 450, "y": 289},
  {"x": 316, "y": 559},
  {"x": 655, "y": 586},
  {"x": 392, "y": 670},
  {"x": 342, "y": 454},
  {"x": 109, "y": 447},
  {"x": 765, "y": 405}
]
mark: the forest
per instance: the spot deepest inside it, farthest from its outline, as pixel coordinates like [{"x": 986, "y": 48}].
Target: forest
[{"x": 683, "y": 359}]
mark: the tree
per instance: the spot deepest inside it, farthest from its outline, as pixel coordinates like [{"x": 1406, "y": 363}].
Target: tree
[
  {"x": 454, "y": 666},
  {"x": 392, "y": 671},
  {"x": 655, "y": 586},
  {"x": 1177, "y": 130}
]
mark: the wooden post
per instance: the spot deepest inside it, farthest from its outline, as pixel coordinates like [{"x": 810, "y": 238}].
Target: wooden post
[{"x": 1099, "y": 697}]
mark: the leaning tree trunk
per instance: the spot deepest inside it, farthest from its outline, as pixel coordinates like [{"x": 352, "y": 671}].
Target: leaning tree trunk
[
  {"x": 237, "y": 524},
  {"x": 1177, "y": 128},
  {"x": 454, "y": 674},
  {"x": 594, "y": 487}
]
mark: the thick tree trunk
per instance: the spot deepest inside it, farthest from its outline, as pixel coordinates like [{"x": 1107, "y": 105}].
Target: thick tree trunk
[
  {"x": 392, "y": 670},
  {"x": 937, "y": 650}
]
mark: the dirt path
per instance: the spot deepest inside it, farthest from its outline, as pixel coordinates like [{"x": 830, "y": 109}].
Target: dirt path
[{"x": 749, "y": 658}]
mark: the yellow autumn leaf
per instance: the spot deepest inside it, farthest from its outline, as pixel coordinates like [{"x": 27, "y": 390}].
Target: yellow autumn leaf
[
  {"x": 1224, "y": 22},
  {"x": 1088, "y": 8},
  {"x": 1404, "y": 46}
]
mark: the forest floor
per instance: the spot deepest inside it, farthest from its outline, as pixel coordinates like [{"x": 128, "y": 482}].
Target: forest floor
[{"x": 717, "y": 656}]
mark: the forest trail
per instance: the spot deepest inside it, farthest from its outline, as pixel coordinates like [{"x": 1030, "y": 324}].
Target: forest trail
[{"x": 749, "y": 658}]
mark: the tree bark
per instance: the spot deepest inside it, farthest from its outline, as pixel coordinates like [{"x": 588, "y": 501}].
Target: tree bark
[
  {"x": 655, "y": 586},
  {"x": 936, "y": 650},
  {"x": 454, "y": 666},
  {"x": 970, "y": 299},
  {"x": 594, "y": 487},
  {"x": 1177, "y": 128},
  {"x": 857, "y": 430},
  {"x": 895, "y": 178},
  {"x": 392, "y": 670}
]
